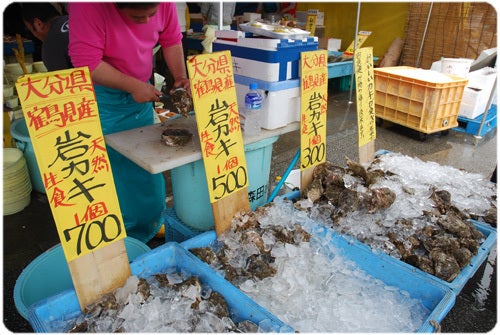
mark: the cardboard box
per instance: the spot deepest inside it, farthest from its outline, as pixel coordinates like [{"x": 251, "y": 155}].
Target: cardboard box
[{"x": 248, "y": 17}]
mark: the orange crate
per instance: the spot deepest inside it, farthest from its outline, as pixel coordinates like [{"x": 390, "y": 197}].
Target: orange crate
[{"x": 424, "y": 100}]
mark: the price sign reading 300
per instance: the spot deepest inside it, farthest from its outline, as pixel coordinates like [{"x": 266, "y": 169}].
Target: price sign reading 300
[{"x": 313, "y": 107}]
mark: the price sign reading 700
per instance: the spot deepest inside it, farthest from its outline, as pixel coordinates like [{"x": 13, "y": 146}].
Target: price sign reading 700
[
  {"x": 64, "y": 126},
  {"x": 214, "y": 98},
  {"x": 313, "y": 107}
]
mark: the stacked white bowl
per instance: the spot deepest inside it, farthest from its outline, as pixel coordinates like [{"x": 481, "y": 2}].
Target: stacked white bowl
[{"x": 16, "y": 181}]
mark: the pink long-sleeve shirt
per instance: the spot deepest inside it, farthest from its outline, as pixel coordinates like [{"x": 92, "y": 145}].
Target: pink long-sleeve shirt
[{"x": 99, "y": 32}]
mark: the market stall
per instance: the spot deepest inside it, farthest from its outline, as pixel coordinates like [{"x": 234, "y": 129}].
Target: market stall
[{"x": 245, "y": 259}]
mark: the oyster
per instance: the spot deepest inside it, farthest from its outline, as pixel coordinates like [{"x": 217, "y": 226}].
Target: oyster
[
  {"x": 445, "y": 266},
  {"x": 143, "y": 288},
  {"x": 174, "y": 137},
  {"x": 179, "y": 102},
  {"x": 259, "y": 266},
  {"x": 380, "y": 198},
  {"x": 219, "y": 303},
  {"x": 205, "y": 254}
]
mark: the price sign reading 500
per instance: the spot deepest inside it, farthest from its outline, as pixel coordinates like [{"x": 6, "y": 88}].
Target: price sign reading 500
[
  {"x": 214, "y": 98},
  {"x": 313, "y": 103}
]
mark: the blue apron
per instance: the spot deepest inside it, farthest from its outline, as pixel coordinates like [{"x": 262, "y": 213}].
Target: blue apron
[{"x": 141, "y": 194}]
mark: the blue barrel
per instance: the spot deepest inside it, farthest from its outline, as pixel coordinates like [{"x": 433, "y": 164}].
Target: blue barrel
[
  {"x": 48, "y": 275},
  {"x": 190, "y": 190}
]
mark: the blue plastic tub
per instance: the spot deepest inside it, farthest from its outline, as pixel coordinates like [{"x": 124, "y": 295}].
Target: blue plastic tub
[
  {"x": 48, "y": 274},
  {"x": 472, "y": 126},
  {"x": 435, "y": 296},
  {"x": 467, "y": 272},
  {"x": 190, "y": 190},
  {"x": 175, "y": 230},
  {"x": 47, "y": 315}
]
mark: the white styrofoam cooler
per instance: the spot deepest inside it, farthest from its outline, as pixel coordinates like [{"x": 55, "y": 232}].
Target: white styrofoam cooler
[
  {"x": 280, "y": 100},
  {"x": 477, "y": 92}
]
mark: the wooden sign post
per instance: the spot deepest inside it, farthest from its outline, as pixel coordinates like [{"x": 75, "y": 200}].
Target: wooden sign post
[
  {"x": 64, "y": 126},
  {"x": 365, "y": 103},
  {"x": 214, "y": 98},
  {"x": 313, "y": 112}
]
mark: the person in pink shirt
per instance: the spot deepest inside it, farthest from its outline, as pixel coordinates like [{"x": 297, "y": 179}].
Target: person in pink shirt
[{"x": 115, "y": 41}]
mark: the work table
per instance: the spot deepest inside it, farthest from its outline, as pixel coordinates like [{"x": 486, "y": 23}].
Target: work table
[{"x": 145, "y": 147}]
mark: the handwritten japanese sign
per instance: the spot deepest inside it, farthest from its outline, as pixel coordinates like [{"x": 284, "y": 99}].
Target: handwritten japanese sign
[
  {"x": 311, "y": 24},
  {"x": 313, "y": 107},
  {"x": 365, "y": 95},
  {"x": 360, "y": 39},
  {"x": 64, "y": 126},
  {"x": 214, "y": 98}
]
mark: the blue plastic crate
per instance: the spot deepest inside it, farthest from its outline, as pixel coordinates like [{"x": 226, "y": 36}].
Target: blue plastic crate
[
  {"x": 46, "y": 316},
  {"x": 287, "y": 54},
  {"x": 457, "y": 284},
  {"x": 468, "y": 271},
  {"x": 175, "y": 230},
  {"x": 342, "y": 69},
  {"x": 471, "y": 126},
  {"x": 8, "y": 47},
  {"x": 435, "y": 296}
]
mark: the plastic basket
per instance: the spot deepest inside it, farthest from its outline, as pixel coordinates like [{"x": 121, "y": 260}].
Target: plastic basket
[
  {"x": 418, "y": 99},
  {"x": 47, "y": 315},
  {"x": 457, "y": 284},
  {"x": 48, "y": 274},
  {"x": 435, "y": 296}
]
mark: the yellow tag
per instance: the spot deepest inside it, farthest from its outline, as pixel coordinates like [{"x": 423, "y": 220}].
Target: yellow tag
[
  {"x": 362, "y": 37},
  {"x": 216, "y": 109},
  {"x": 313, "y": 107},
  {"x": 64, "y": 126},
  {"x": 311, "y": 24},
  {"x": 365, "y": 95}
]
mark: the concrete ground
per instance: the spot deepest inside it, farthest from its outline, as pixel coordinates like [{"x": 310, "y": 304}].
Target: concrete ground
[{"x": 32, "y": 231}]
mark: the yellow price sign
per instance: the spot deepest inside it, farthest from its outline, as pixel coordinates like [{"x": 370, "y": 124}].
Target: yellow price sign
[
  {"x": 311, "y": 24},
  {"x": 365, "y": 95},
  {"x": 64, "y": 126},
  {"x": 216, "y": 109},
  {"x": 313, "y": 107},
  {"x": 361, "y": 38}
]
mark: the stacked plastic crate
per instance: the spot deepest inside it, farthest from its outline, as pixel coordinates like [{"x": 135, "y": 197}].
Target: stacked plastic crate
[{"x": 273, "y": 64}]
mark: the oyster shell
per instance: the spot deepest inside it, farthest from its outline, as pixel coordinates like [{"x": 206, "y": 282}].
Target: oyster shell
[
  {"x": 179, "y": 102},
  {"x": 176, "y": 137}
]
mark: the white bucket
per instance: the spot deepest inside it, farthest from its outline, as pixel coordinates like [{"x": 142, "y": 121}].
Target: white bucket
[
  {"x": 16, "y": 181},
  {"x": 456, "y": 66}
]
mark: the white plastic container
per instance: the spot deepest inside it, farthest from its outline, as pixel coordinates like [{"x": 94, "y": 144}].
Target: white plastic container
[
  {"x": 477, "y": 92},
  {"x": 12, "y": 101},
  {"x": 8, "y": 90},
  {"x": 280, "y": 100},
  {"x": 456, "y": 66}
]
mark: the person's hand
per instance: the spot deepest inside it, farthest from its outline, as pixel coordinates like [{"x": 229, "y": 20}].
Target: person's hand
[
  {"x": 182, "y": 82},
  {"x": 145, "y": 92}
]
